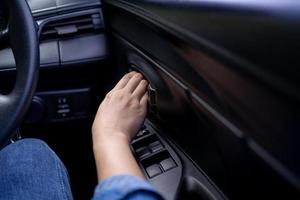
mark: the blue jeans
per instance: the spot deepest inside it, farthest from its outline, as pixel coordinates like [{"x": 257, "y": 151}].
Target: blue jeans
[{"x": 29, "y": 169}]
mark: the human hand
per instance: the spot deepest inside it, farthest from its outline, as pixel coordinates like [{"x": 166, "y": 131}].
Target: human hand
[{"x": 123, "y": 110}]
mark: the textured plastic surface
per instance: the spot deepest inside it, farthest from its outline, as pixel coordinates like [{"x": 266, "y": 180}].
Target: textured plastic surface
[
  {"x": 83, "y": 49},
  {"x": 70, "y": 51},
  {"x": 49, "y": 56},
  {"x": 45, "y": 6},
  {"x": 233, "y": 81}
]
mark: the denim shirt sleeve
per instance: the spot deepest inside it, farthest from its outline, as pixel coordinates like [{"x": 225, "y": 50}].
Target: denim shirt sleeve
[{"x": 126, "y": 188}]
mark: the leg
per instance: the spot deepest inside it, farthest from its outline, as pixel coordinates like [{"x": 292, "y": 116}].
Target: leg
[{"x": 29, "y": 169}]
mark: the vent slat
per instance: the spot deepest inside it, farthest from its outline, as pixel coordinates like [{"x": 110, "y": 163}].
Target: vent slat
[
  {"x": 87, "y": 26},
  {"x": 86, "y": 20},
  {"x": 82, "y": 24},
  {"x": 49, "y": 32}
]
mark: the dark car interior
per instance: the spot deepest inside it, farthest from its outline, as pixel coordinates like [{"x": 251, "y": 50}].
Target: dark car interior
[{"x": 223, "y": 117}]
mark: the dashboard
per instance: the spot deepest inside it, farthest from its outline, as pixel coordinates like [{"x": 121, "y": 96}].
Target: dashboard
[{"x": 73, "y": 55}]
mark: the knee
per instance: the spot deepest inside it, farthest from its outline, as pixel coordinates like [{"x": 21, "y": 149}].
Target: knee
[
  {"x": 35, "y": 171},
  {"x": 26, "y": 148},
  {"x": 33, "y": 153}
]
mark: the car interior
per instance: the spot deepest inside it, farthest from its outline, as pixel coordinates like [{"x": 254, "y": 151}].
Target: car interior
[{"x": 223, "y": 116}]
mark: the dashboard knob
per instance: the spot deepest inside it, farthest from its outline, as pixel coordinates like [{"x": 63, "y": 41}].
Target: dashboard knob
[{"x": 37, "y": 110}]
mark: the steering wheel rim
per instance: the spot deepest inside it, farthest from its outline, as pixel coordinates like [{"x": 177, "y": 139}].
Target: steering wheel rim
[{"x": 25, "y": 47}]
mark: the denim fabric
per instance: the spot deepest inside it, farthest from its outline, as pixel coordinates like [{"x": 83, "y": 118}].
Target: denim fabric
[
  {"x": 30, "y": 170},
  {"x": 125, "y": 187}
]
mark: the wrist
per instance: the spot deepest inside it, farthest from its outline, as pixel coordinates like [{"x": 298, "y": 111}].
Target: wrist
[{"x": 113, "y": 138}]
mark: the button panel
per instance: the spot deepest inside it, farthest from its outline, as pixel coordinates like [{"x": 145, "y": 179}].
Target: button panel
[
  {"x": 65, "y": 105},
  {"x": 63, "y": 109},
  {"x": 151, "y": 153}
]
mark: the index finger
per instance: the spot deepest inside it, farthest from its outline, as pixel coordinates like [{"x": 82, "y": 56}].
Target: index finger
[{"x": 122, "y": 83}]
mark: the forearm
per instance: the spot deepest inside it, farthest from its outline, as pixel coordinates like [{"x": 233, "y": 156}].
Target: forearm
[{"x": 114, "y": 157}]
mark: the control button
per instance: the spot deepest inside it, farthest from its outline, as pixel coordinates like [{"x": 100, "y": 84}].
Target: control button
[
  {"x": 62, "y": 100},
  {"x": 153, "y": 170},
  {"x": 142, "y": 133},
  {"x": 37, "y": 110},
  {"x": 142, "y": 152},
  {"x": 139, "y": 134},
  {"x": 168, "y": 164},
  {"x": 156, "y": 146},
  {"x": 63, "y": 107},
  {"x": 145, "y": 132},
  {"x": 63, "y": 112}
]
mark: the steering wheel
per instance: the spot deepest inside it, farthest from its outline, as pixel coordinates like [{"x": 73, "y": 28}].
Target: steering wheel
[{"x": 24, "y": 43}]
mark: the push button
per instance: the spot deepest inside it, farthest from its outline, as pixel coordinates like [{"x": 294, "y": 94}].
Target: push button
[
  {"x": 139, "y": 134},
  {"x": 168, "y": 164},
  {"x": 63, "y": 107},
  {"x": 156, "y": 146},
  {"x": 145, "y": 132},
  {"x": 142, "y": 133},
  {"x": 153, "y": 170},
  {"x": 142, "y": 152}
]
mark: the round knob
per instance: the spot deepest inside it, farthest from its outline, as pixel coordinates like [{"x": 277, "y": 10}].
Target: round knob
[{"x": 37, "y": 110}]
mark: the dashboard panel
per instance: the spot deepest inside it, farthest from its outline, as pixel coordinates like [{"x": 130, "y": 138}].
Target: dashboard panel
[
  {"x": 55, "y": 6},
  {"x": 73, "y": 59}
]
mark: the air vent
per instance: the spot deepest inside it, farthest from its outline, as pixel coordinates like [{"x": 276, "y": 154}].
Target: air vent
[{"x": 72, "y": 26}]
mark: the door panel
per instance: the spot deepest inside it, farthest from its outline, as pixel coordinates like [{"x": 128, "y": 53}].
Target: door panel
[{"x": 226, "y": 86}]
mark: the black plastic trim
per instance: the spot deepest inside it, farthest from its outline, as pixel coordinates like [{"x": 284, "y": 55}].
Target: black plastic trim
[
  {"x": 139, "y": 9},
  {"x": 56, "y": 9}
]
